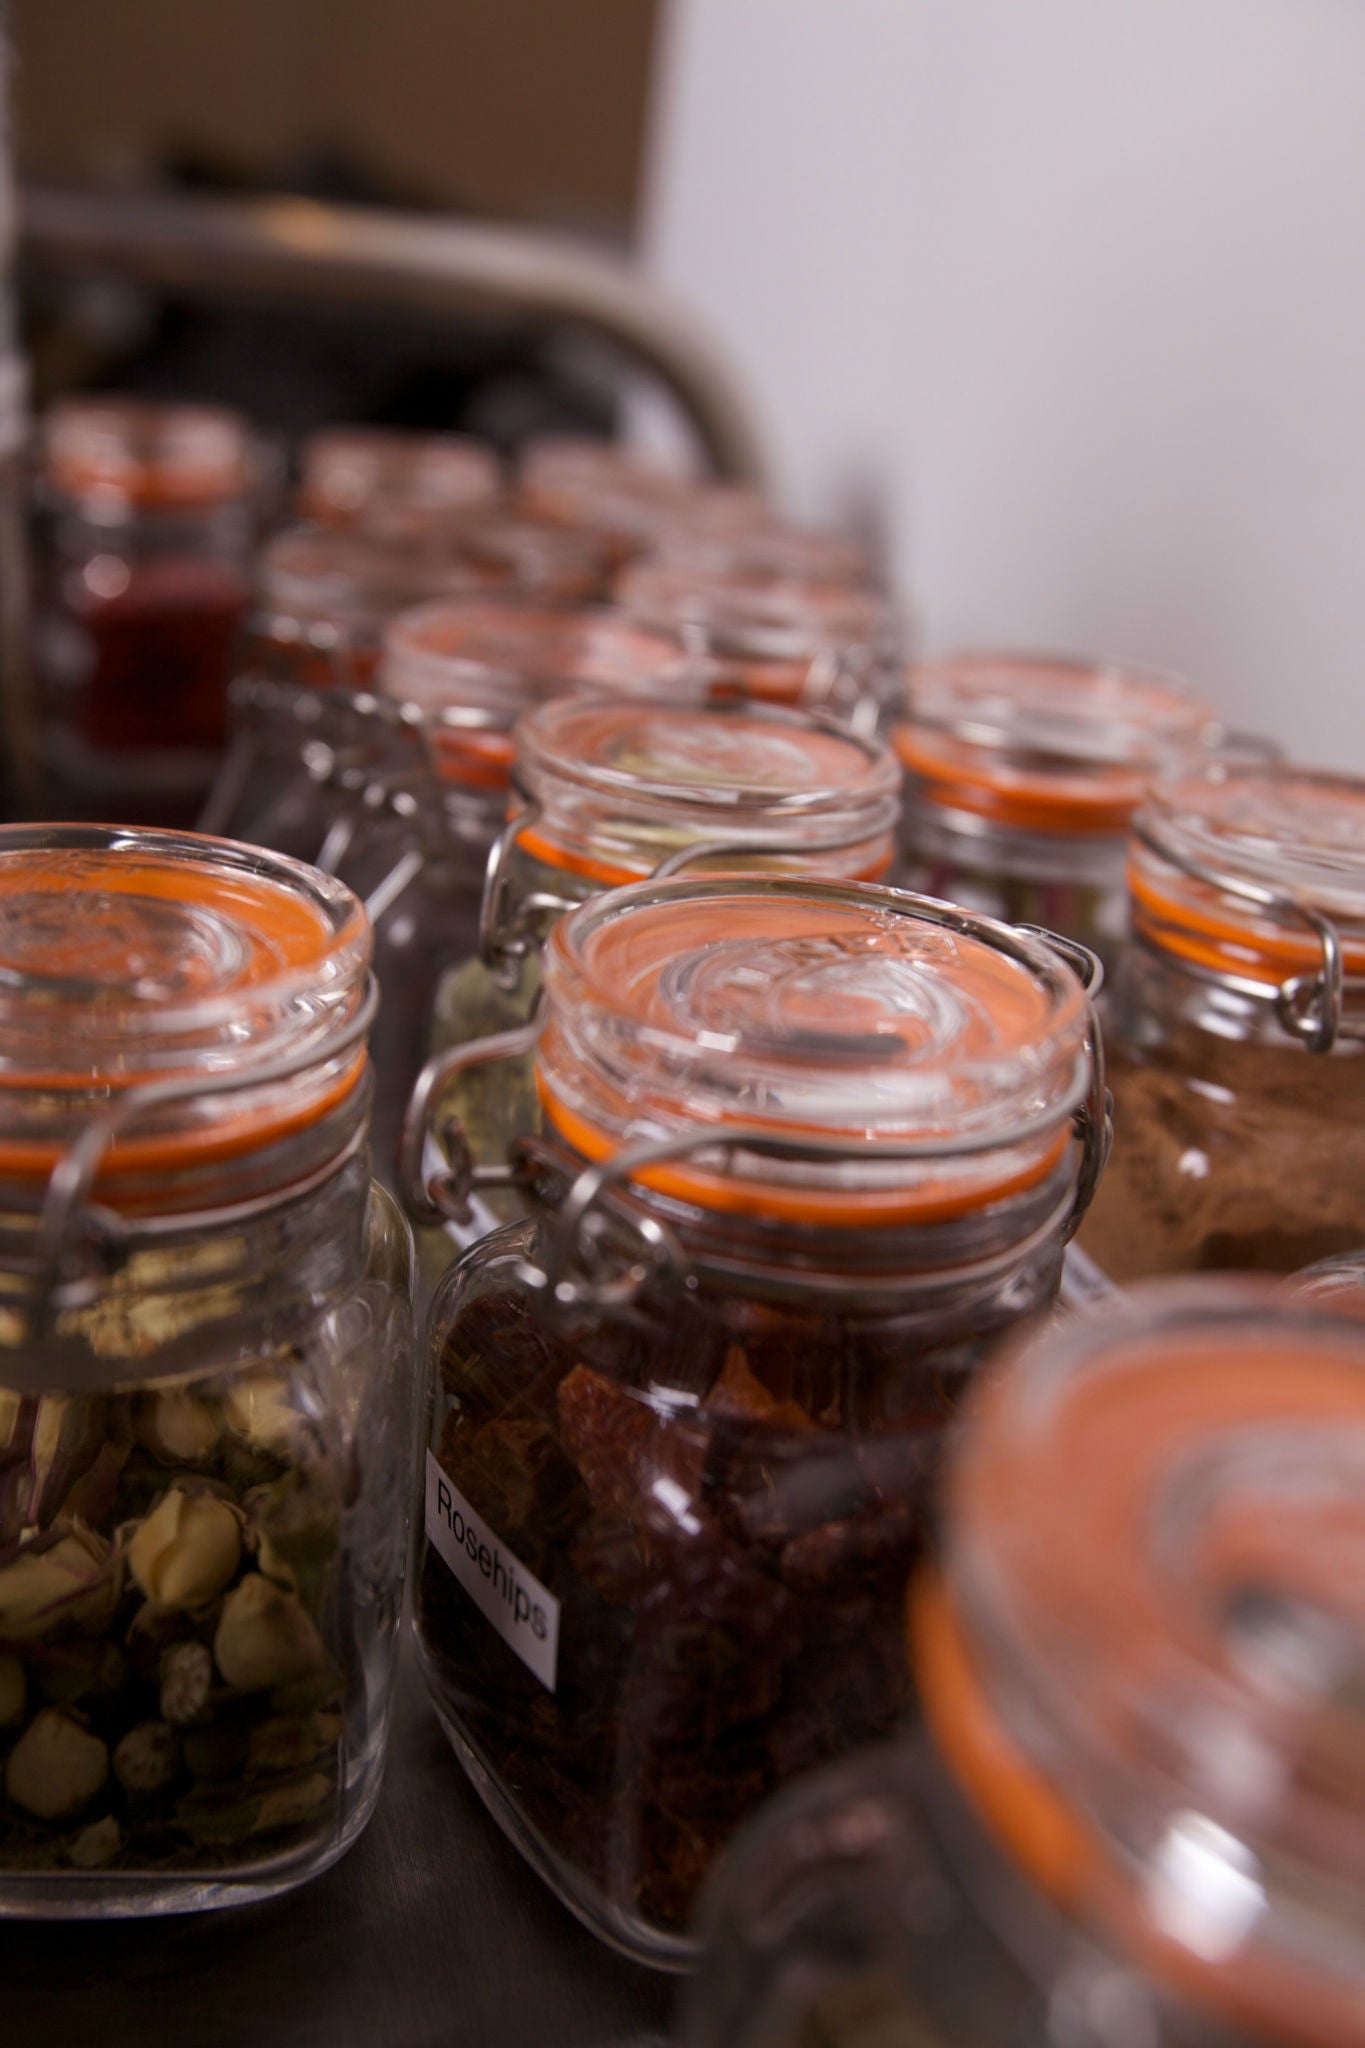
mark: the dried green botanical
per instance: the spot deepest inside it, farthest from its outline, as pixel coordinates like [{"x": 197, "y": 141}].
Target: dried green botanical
[
  {"x": 187, "y": 1549},
  {"x": 56, "y": 1767}
]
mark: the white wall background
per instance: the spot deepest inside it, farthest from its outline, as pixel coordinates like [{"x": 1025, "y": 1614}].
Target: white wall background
[{"x": 1068, "y": 298}]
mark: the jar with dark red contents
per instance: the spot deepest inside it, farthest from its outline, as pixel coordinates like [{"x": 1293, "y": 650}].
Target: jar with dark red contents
[
  {"x": 147, "y": 519},
  {"x": 1133, "y": 1815},
  {"x": 783, "y": 616},
  {"x": 1238, "y": 1021},
  {"x": 809, "y": 1148},
  {"x": 369, "y": 476},
  {"x": 1024, "y": 772},
  {"x": 609, "y": 791}
]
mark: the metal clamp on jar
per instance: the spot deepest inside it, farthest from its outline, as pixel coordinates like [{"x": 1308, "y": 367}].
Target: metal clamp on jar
[
  {"x": 205, "y": 1384},
  {"x": 809, "y": 1147},
  {"x": 1134, "y": 1811},
  {"x": 1239, "y": 1026}
]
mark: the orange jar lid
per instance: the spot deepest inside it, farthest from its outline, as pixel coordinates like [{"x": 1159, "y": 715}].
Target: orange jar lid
[
  {"x": 462, "y": 662},
  {"x": 359, "y": 476},
  {"x": 112, "y": 452},
  {"x": 1040, "y": 742},
  {"x": 1234, "y": 863},
  {"x": 841, "y": 1023},
  {"x": 1140, "y": 1659},
  {"x": 627, "y": 497},
  {"x": 621, "y": 784},
  {"x": 134, "y": 959}
]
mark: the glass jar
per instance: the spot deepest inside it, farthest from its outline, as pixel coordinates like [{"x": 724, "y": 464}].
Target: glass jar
[
  {"x": 415, "y": 791},
  {"x": 147, "y": 516},
  {"x": 607, "y": 791},
  {"x": 206, "y": 1397},
  {"x": 809, "y": 1148},
  {"x": 1024, "y": 772},
  {"x": 1239, "y": 1026},
  {"x": 1133, "y": 1815},
  {"x": 622, "y": 495},
  {"x": 368, "y": 476},
  {"x": 783, "y": 616}
]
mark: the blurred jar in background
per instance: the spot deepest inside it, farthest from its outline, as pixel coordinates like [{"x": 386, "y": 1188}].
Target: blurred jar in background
[
  {"x": 1024, "y": 772},
  {"x": 1238, "y": 1026},
  {"x": 419, "y": 783},
  {"x": 365, "y": 476},
  {"x": 146, "y": 524},
  {"x": 1134, "y": 1814},
  {"x": 630, "y": 501},
  {"x": 783, "y": 615}
]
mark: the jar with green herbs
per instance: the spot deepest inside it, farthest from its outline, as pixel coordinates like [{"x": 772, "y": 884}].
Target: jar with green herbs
[
  {"x": 1132, "y": 1814},
  {"x": 604, "y": 793},
  {"x": 1238, "y": 1023},
  {"x": 1023, "y": 774},
  {"x": 206, "y": 1396},
  {"x": 809, "y": 1148}
]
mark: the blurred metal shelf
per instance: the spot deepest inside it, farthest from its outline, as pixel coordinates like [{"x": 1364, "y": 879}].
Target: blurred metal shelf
[{"x": 292, "y": 250}]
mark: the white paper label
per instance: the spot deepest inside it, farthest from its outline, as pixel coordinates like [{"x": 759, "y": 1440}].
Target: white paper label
[{"x": 524, "y": 1613}]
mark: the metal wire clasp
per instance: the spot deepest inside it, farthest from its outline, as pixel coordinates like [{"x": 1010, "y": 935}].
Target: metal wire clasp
[
  {"x": 441, "y": 1197},
  {"x": 506, "y": 936}
]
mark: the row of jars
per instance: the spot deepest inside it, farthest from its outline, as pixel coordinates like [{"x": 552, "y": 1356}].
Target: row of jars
[{"x": 811, "y": 1147}]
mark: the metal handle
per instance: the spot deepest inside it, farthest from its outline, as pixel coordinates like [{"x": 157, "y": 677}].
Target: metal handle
[
  {"x": 444, "y": 1197},
  {"x": 301, "y": 250}
]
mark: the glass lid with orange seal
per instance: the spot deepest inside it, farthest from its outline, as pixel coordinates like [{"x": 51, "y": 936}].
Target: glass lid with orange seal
[
  {"x": 471, "y": 668},
  {"x": 1142, "y": 1656},
  {"x": 614, "y": 787},
  {"x": 834, "y": 1055},
  {"x": 626, "y": 496},
  {"x": 359, "y": 475},
  {"x": 1253, "y": 873},
  {"x": 1040, "y": 742},
  {"x": 182, "y": 1020},
  {"x": 115, "y": 453}
]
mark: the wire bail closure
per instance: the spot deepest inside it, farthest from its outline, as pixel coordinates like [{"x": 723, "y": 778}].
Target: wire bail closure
[
  {"x": 1308, "y": 1007},
  {"x": 577, "y": 1273}
]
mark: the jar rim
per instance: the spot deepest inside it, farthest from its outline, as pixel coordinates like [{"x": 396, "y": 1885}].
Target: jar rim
[
  {"x": 877, "y": 1055},
  {"x": 347, "y": 472},
  {"x": 1142, "y": 1575}
]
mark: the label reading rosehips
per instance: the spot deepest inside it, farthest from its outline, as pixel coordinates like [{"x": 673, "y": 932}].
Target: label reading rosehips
[{"x": 524, "y": 1613}]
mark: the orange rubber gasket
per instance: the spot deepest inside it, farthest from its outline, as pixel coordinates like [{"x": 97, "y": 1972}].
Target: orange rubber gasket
[
  {"x": 1080, "y": 803},
  {"x": 1194, "y": 932},
  {"x": 860, "y": 1206},
  {"x": 555, "y": 856}
]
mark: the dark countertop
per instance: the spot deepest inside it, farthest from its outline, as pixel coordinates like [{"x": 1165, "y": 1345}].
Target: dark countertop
[{"x": 431, "y": 1930}]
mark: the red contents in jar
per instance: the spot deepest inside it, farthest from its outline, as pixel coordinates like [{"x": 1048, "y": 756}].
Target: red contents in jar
[{"x": 161, "y": 643}]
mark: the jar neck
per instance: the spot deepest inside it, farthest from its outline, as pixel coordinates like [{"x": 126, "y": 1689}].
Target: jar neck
[
  {"x": 935, "y": 829},
  {"x": 1157, "y": 991}
]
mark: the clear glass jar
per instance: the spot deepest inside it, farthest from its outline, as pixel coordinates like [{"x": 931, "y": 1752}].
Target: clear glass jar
[
  {"x": 369, "y": 476},
  {"x": 809, "y": 1148},
  {"x": 784, "y": 617},
  {"x": 1133, "y": 1815},
  {"x": 206, "y": 1396},
  {"x": 1024, "y": 772},
  {"x": 1239, "y": 1026},
  {"x": 628, "y": 499},
  {"x": 606, "y": 791},
  {"x": 415, "y": 791},
  {"x": 146, "y": 525}
]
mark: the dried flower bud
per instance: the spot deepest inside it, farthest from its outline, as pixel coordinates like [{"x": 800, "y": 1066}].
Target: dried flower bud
[
  {"x": 144, "y": 1762},
  {"x": 12, "y": 1690},
  {"x": 265, "y": 1637},
  {"x": 180, "y": 1428},
  {"x": 259, "y": 1409},
  {"x": 187, "y": 1549},
  {"x": 56, "y": 1767},
  {"x": 96, "y": 1847},
  {"x": 186, "y": 1676},
  {"x": 11, "y": 1409},
  {"x": 72, "y": 1583},
  {"x": 67, "y": 1433}
]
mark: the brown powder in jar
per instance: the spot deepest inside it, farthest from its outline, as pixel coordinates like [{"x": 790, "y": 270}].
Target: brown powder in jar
[{"x": 1242, "y": 1154}]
